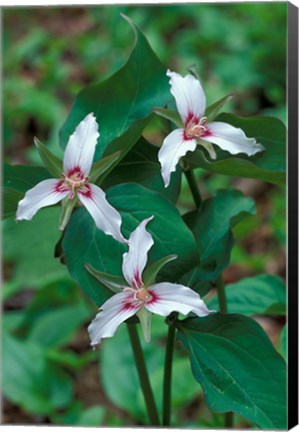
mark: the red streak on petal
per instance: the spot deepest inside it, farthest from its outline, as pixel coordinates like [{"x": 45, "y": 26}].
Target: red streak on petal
[
  {"x": 76, "y": 171},
  {"x": 137, "y": 280},
  {"x": 154, "y": 297},
  {"x": 61, "y": 187},
  {"x": 207, "y": 133},
  {"x": 186, "y": 138},
  {"x": 191, "y": 117},
  {"x": 130, "y": 303},
  {"x": 86, "y": 191}
]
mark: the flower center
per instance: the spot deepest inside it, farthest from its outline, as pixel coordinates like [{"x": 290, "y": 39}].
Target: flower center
[
  {"x": 196, "y": 129},
  {"x": 139, "y": 295},
  {"x": 74, "y": 180},
  {"x": 143, "y": 295}
]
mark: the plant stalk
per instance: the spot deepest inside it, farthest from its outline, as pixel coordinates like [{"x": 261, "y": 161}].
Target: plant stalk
[
  {"x": 168, "y": 372},
  {"x": 143, "y": 376},
  {"x": 228, "y": 420},
  {"x": 191, "y": 179}
]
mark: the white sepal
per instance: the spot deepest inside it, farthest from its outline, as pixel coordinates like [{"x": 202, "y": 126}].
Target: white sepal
[
  {"x": 134, "y": 261},
  {"x": 170, "y": 297},
  {"x": 80, "y": 148},
  {"x": 189, "y": 95},
  {"x": 113, "y": 312},
  {"x": 44, "y": 194},
  {"x": 232, "y": 139},
  {"x": 173, "y": 148},
  {"x": 104, "y": 215}
]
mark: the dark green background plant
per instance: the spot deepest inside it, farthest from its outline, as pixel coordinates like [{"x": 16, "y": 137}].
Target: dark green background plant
[{"x": 56, "y": 52}]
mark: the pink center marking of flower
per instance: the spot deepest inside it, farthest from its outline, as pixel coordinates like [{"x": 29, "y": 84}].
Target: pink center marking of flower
[
  {"x": 195, "y": 127},
  {"x": 73, "y": 181}
]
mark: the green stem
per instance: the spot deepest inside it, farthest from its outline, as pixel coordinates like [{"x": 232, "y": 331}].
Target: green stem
[
  {"x": 192, "y": 182},
  {"x": 143, "y": 376},
  {"x": 168, "y": 373},
  {"x": 228, "y": 420},
  {"x": 221, "y": 295}
]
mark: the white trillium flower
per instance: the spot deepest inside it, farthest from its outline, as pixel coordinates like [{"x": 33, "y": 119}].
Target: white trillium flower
[
  {"x": 191, "y": 104},
  {"x": 73, "y": 184},
  {"x": 161, "y": 298}
]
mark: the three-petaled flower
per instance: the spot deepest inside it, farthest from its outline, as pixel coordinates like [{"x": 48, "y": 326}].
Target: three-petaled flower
[
  {"x": 191, "y": 104},
  {"x": 161, "y": 298},
  {"x": 74, "y": 185}
]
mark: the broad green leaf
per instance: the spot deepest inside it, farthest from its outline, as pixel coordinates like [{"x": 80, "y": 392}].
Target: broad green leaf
[
  {"x": 92, "y": 416},
  {"x": 123, "y": 103},
  {"x": 151, "y": 272},
  {"x": 70, "y": 359},
  {"x": 212, "y": 110},
  {"x": 52, "y": 163},
  {"x": 114, "y": 283},
  {"x": 268, "y": 165},
  {"x": 56, "y": 327},
  {"x": 211, "y": 226},
  {"x": 254, "y": 295},
  {"x": 84, "y": 243},
  {"x": 283, "y": 342},
  {"x": 23, "y": 177},
  {"x": 169, "y": 114},
  {"x": 141, "y": 166},
  {"x": 17, "y": 180},
  {"x": 103, "y": 166},
  {"x": 30, "y": 246},
  {"x": 11, "y": 198},
  {"x": 238, "y": 368},
  {"x": 30, "y": 380}
]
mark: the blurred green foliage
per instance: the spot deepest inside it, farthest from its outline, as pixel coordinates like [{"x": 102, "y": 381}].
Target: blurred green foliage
[{"x": 49, "y": 55}]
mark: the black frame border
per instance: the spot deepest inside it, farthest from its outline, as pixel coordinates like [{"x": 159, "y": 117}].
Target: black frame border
[{"x": 292, "y": 170}]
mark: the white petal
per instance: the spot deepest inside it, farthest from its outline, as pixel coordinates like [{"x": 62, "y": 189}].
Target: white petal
[
  {"x": 169, "y": 297},
  {"x": 113, "y": 312},
  {"x": 189, "y": 95},
  {"x": 80, "y": 148},
  {"x": 173, "y": 148},
  {"x": 105, "y": 216},
  {"x": 135, "y": 259},
  {"x": 232, "y": 139},
  {"x": 45, "y": 193}
]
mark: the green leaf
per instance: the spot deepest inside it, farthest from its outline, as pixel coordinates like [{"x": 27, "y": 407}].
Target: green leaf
[
  {"x": 56, "y": 327},
  {"x": 211, "y": 226},
  {"x": 283, "y": 342},
  {"x": 169, "y": 114},
  {"x": 30, "y": 380},
  {"x": 123, "y": 103},
  {"x": 70, "y": 359},
  {"x": 141, "y": 166},
  {"x": 33, "y": 259},
  {"x": 114, "y": 283},
  {"x": 52, "y": 163},
  {"x": 23, "y": 177},
  {"x": 240, "y": 371},
  {"x": 213, "y": 109},
  {"x": 11, "y": 198},
  {"x": 103, "y": 166},
  {"x": 84, "y": 243},
  {"x": 92, "y": 416},
  {"x": 260, "y": 294},
  {"x": 268, "y": 165},
  {"x": 151, "y": 272}
]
